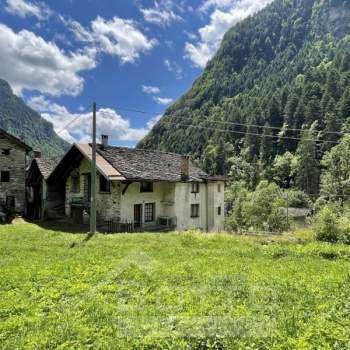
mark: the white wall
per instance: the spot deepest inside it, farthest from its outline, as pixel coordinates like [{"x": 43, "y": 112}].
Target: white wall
[
  {"x": 162, "y": 196},
  {"x": 171, "y": 200},
  {"x": 216, "y": 199}
]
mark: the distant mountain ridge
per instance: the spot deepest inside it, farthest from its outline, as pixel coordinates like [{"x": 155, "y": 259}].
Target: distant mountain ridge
[
  {"x": 286, "y": 67},
  {"x": 22, "y": 121}
]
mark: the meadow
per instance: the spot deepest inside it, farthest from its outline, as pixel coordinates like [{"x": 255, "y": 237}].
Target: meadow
[{"x": 171, "y": 291}]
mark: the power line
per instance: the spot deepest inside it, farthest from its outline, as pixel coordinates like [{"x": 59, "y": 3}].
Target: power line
[
  {"x": 245, "y": 133},
  {"x": 70, "y": 123},
  {"x": 226, "y": 122},
  {"x": 253, "y": 134}
]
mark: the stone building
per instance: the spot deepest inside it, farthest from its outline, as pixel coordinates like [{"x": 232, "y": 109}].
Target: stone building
[
  {"x": 13, "y": 163},
  {"x": 43, "y": 201},
  {"x": 148, "y": 189}
]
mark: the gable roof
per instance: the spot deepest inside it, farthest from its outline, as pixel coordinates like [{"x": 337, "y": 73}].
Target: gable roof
[
  {"x": 140, "y": 164},
  {"x": 128, "y": 164},
  {"x": 47, "y": 165},
  {"x": 102, "y": 165},
  {"x": 15, "y": 139}
]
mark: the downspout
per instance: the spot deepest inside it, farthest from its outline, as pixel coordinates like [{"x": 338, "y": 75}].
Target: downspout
[{"x": 207, "y": 206}]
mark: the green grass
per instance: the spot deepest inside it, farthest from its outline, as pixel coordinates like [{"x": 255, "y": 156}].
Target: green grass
[{"x": 170, "y": 291}]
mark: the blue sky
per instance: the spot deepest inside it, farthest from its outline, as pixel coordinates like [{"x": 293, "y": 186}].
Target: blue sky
[{"x": 59, "y": 56}]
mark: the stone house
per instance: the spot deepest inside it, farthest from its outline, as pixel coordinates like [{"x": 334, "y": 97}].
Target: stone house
[
  {"x": 43, "y": 201},
  {"x": 147, "y": 189},
  {"x": 13, "y": 163}
]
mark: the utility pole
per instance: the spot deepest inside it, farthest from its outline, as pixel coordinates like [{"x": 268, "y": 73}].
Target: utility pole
[{"x": 93, "y": 174}]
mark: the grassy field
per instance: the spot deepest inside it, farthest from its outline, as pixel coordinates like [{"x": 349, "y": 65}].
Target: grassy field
[{"x": 170, "y": 291}]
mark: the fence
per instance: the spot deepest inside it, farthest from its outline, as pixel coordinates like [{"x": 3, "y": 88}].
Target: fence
[{"x": 120, "y": 227}]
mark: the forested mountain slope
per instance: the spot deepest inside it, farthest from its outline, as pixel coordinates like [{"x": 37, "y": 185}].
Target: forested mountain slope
[
  {"x": 287, "y": 67},
  {"x": 20, "y": 120}
]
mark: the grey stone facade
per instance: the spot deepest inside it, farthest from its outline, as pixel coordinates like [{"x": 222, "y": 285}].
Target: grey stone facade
[{"x": 13, "y": 156}]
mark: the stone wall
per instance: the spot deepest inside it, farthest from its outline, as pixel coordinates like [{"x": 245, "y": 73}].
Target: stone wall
[
  {"x": 15, "y": 163},
  {"x": 107, "y": 204}
]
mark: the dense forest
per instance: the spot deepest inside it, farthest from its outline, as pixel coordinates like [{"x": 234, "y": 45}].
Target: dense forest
[
  {"x": 273, "y": 103},
  {"x": 20, "y": 120}
]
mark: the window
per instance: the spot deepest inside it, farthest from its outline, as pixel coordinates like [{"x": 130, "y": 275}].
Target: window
[
  {"x": 219, "y": 210},
  {"x": 149, "y": 212},
  {"x": 75, "y": 184},
  {"x": 195, "y": 187},
  {"x": 219, "y": 188},
  {"x": 104, "y": 185},
  {"x": 146, "y": 187},
  {"x": 5, "y": 152},
  {"x": 194, "y": 210},
  {"x": 5, "y": 176}
]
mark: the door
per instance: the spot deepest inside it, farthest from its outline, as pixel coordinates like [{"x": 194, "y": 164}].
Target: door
[{"x": 138, "y": 215}]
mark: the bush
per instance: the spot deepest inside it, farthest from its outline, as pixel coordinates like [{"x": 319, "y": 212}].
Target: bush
[
  {"x": 327, "y": 229},
  {"x": 258, "y": 210},
  {"x": 297, "y": 199},
  {"x": 344, "y": 228}
]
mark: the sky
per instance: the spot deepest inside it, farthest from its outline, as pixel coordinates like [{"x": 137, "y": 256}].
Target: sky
[{"x": 126, "y": 55}]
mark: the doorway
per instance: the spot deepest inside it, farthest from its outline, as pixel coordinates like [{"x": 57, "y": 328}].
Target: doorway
[{"x": 138, "y": 215}]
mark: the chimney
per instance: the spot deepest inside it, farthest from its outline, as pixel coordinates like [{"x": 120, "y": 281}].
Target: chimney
[
  {"x": 36, "y": 154},
  {"x": 185, "y": 168},
  {"x": 104, "y": 141}
]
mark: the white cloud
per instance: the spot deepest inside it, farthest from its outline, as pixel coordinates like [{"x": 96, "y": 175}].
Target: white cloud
[
  {"x": 150, "y": 89},
  {"x": 218, "y": 4},
  {"x": 23, "y": 8},
  {"x": 174, "y": 67},
  {"x": 118, "y": 37},
  {"x": 28, "y": 61},
  {"x": 109, "y": 122},
  {"x": 161, "y": 14},
  {"x": 152, "y": 122},
  {"x": 225, "y": 15},
  {"x": 162, "y": 100}
]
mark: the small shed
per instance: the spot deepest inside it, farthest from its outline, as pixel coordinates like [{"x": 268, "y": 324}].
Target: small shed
[{"x": 43, "y": 201}]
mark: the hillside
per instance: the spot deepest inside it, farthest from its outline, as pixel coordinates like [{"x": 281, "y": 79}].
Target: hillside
[
  {"x": 286, "y": 67},
  {"x": 20, "y": 120}
]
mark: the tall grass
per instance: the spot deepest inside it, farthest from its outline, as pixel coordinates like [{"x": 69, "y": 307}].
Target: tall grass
[{"x": 170, "y": 291}]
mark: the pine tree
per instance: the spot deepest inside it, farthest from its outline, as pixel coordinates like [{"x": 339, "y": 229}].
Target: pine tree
[
  {"x": 332, "y": 84},
  {"x": 344, "y": 105},
  {"x": 275, "y": 116},
  {"x": 251, "y": 141},
  {"x": 308, "y": 168},
  {"x": 266, "y": 146},
  {"x": 313, "y": 110}
]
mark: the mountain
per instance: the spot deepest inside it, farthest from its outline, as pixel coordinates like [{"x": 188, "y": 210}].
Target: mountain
[
  {"x": 20, "y": 120},
  {"x": 285, "y": 68}
]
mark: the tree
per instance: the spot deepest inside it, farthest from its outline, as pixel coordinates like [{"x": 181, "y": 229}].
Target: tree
[
  {"x": 275, "y": 116},
  {"x": 266, "y": 146},
  {"x": 243, "y": 171},
  {"x": 307, "y": 167},
  {"x": 283, "y": 168},
  {"x": 344, "y": 106},
  {"x": 313, "y": 110},
  {"x": 335, "y": 179},
  {"x": 251, "y": 141}
]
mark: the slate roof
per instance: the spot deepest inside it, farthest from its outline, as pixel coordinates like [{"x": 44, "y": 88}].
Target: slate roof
[
  {"x": 15, "y": 139},
  {"x": 47, "y": 165},
  {"x": 139, "y": 164}
]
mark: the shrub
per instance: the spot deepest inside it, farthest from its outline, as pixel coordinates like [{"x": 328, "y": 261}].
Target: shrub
[
  {"x": 297, "y": 199},
  {"x": 344, "y": 228},
  {"x": 327, "y": 229}
]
